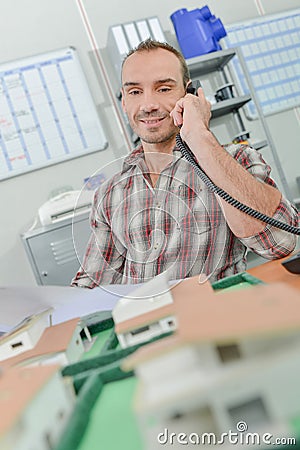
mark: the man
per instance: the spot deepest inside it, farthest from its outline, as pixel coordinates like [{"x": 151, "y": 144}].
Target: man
[{"x": 156, "y": 214}]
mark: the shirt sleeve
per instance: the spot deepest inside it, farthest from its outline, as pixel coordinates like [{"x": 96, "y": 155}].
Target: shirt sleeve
[
  {"x": 104, "y": 256},
  {"x": 271, "y": 242}
]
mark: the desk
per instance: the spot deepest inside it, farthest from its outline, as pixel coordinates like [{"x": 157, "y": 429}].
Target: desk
[{"x": 273, "y": 271}]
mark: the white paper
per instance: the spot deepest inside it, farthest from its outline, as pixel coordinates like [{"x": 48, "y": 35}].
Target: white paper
[{"x": 16, "y": 303}]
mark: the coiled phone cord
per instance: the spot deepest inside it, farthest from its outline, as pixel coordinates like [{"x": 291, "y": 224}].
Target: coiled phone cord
[{"x": 186, "y": 152}]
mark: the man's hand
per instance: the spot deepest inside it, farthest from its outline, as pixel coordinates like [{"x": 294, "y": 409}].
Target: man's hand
[{"x": 192, "y": 113}]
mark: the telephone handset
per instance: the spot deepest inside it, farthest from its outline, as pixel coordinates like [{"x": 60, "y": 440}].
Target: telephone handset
[
  {"x": 193, "y": 87},
  {"x": 188, "y": 154}
]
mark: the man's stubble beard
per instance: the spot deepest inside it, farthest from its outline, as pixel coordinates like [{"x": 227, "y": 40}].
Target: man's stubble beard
[{"x": 156, "y": 138}]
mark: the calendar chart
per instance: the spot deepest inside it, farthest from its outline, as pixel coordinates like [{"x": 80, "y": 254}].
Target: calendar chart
[
  {"x": 47, "y": 114},
  {"x": 271, "y": 49}
]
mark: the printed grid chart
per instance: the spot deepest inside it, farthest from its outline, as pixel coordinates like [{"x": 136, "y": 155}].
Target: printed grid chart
[
  {"x": 47, "y": 114},
  {"x": 271, "y": 48}
]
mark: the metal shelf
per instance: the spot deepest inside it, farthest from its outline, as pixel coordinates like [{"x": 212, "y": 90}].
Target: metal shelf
[
  {"x": 228, "y": 106},
  {"x": 259, "y": 144},
  {"x": 208, "y": 63}
]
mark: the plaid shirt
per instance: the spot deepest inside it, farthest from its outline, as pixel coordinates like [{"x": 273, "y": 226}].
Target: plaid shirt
[{"x": 139, "y": 231}]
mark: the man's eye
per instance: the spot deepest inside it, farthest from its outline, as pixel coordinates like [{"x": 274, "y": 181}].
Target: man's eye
[
  {"x": 164, "y": 89},
  {"x": 134, "y": 92}
]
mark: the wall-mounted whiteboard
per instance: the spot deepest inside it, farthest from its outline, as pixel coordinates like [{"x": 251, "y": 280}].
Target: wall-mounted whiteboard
[
  {"x": 47, "y": 114},
  {"x": 271, "y": 48}
]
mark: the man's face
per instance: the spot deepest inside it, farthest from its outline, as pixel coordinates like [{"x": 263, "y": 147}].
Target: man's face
[{"x": 151, "y": 85}]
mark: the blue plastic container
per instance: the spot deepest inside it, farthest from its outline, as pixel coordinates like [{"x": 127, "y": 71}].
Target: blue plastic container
[{"x": 197, "y": 31}]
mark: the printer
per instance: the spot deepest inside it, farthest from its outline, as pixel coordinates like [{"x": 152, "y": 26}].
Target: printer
[{"x": 65, "y": 205}]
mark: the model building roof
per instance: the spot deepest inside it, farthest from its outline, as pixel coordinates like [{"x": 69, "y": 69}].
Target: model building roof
[
  {"x": 55, "y": 339},
  {"x": 226, "y": 317},
  {"x": 257, "y": 311},
  {"x": 18, "y": 386}
]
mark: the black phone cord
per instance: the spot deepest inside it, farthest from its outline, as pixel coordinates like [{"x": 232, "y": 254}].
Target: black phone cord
[{"x": 186, "y": 152}]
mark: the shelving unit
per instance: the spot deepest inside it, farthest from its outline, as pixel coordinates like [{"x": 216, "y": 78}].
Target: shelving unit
[{"x": 218, "y": 64}]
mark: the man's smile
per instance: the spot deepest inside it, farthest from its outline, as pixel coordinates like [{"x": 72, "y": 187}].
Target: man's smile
[{"x": 152, "y": 121}]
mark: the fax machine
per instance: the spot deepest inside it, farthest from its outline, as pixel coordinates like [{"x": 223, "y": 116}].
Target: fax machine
[{"x": 65, "y": 205}]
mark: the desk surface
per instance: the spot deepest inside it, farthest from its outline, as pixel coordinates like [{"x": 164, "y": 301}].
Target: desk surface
[{"x": 273, "y": 271}]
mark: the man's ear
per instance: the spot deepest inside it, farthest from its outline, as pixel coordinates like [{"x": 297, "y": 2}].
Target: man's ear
[
  {"x": 188, "y": 84},
  {"x": 122, "y": 100}
]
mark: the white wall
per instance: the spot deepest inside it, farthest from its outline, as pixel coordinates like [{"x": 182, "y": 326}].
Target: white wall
[{"x": 35, "y": 26}]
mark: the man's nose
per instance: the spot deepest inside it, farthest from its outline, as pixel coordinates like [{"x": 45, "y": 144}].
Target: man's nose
[{"x": 149, "y": 103}]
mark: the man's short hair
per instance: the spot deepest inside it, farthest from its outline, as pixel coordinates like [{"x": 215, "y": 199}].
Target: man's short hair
[{"x": 149, "y": 44}]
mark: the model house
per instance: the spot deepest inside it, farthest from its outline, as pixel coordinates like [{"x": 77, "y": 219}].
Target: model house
[
  {"x": 25, "y": 335},
  {"x": 233, "y": 357},
  {"x": 60, "y": 344},
  {"x": 149, "y": 311},
  {"x": 35, "y": 405}
]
